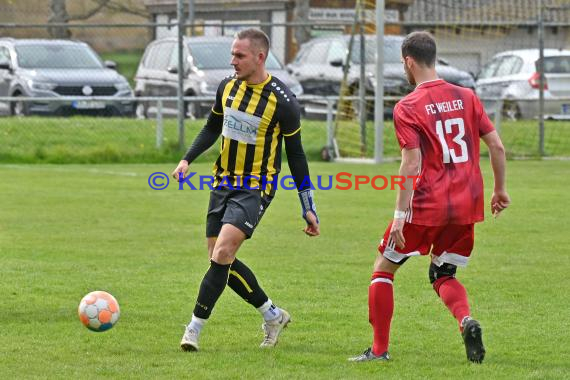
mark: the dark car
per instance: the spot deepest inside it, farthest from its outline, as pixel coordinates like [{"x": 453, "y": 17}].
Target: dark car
[
  {"x": 206, "y": 63},
  {"x": 319, "y": 68},
  {"x": 56, "y": 68}
]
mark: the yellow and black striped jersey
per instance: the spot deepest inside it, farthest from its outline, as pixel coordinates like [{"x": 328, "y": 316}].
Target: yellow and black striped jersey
[{"x": 255, "y": 119}]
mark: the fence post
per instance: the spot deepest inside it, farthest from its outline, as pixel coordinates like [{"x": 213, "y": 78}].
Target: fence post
[
  {"x": 362, "y": 87},
  {"x": 542, "y": 79},
  {"x": 379, "y": 93},
  {"x": 330, "y": 134},
  {"x": 180, "y": 91},
  {"x": 159, "y": 125}
]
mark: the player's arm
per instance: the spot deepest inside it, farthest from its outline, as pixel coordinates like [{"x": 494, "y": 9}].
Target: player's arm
[
  {"x": 500, "y": 199},
  {"x": 300, "y": 171},
  {"x": 207, "y": 136},
  {"x": 409, "y": 169},
  {"x": 409, "y": 140},
  {"x": 205, "y": 139}
]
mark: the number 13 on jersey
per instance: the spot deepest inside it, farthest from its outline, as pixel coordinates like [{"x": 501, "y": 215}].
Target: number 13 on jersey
[{"x": 456, "y": 128}]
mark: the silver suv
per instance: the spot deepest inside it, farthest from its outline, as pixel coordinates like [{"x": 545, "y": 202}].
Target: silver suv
[
  {"x": 55, "y": 68},
  {"x": 206, "y": 63},
  {"x": 513, "y": 76}
]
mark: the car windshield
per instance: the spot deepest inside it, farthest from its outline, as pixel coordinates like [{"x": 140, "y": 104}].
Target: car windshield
[
  {"x": 391, "y": 51},
  {"x": 555, "y": 65},
  {"x": 217, "y": 55},
  {"x": 57, "y": 57}
]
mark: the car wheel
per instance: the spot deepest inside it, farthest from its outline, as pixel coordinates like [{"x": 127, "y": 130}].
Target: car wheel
[
  {"x": 141, "y": 111},
  {"x": 18, "y": 107},
  {"x": 511, "y": 110},
  {"x": 326, "y": 154}
]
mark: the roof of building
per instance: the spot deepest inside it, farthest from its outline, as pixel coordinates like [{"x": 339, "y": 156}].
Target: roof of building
[
  {"x": 486, "y": 11},
  {"x": 220, "y": 5}
]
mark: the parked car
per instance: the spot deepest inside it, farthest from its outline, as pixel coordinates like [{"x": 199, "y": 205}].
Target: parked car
[
  {"x": 55, "y": 68},
  {"x": 513, "y": 76},
  {"x": 206, "y": 63},
  {"x": 319, "y": 68}
]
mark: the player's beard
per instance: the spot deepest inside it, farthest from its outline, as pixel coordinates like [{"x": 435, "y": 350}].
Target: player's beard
[
  {"x": 410, "y": 77},
  {"x": 243, "y": 74},
  {"x": 237, "y": 75}
]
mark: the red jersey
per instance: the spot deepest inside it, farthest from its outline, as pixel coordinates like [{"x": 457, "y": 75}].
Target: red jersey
[{"x": 445, "y": 122}]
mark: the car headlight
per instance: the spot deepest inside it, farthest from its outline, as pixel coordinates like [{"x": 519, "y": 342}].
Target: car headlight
[
  {"x": 296, "y": 89},
  {"x": 40, "y": 86},
  {"x": 207, "y": 88},
  {"x": 122, "y": 86}
]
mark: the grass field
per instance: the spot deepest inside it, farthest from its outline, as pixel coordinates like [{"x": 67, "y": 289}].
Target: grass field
[
  {"x": 111, "y": 140},
  {"x": 66, "y": 230},
  {"x": 116, "y": 140}
]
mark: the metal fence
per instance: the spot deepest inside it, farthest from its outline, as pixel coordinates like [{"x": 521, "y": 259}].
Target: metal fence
[{"x": 330, "y": 65}]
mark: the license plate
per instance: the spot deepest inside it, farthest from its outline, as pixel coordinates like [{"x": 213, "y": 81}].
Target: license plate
[{"x": 87, "y": 105}]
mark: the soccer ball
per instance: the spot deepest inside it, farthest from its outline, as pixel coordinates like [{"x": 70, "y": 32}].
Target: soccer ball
[{"x": 99, "y": 311}]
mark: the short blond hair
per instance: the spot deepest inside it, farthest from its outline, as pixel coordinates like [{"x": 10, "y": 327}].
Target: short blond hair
[{"x": 257, "y": 37}]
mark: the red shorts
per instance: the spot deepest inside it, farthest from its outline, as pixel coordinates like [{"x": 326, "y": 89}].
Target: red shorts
[{"x": 450, "y": 244}]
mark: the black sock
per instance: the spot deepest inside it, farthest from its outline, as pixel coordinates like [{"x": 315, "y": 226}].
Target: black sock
[
  {"x": 243, "y": 282},
  {"x": 211, "y": 289}
]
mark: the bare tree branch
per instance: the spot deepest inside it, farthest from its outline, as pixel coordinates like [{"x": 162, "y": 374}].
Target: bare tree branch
[
  {"x": 58, "y": 15},
  {"x": 302, "y": 33},
  {"x": 100, "y": 5},
  {"x": 117, "y": 6}
]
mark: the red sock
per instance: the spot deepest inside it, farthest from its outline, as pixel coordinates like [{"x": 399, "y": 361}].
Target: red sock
[
  {"x": 453, "y": 294},
  {"x": 380, "y": 309}
]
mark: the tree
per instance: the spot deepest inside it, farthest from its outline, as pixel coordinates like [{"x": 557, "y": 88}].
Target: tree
[
  {"x": 59, "y": 14},
  {"x": 301, "y": 11}
]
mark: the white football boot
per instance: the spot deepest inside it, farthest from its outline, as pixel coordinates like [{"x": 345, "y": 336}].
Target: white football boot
[
  {"x": 274, "y": 328},
  {"x": 189, "y": 341}
]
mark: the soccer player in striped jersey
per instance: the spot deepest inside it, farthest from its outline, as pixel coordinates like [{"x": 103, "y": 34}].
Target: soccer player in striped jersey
[
  {"x": 438, "y": 126},
  {"x": 254, "y": 113}
]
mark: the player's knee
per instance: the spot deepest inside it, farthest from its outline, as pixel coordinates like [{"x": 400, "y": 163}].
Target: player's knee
[
  {"x": 445, "y": 270},
  {"x": 224, "y": 254},
  {"x": 438, "y": 275}
]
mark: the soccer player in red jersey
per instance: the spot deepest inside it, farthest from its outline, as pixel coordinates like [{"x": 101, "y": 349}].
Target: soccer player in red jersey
[{"x": 438, "y": 127}]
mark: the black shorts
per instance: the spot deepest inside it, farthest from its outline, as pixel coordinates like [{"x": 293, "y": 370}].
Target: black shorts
[{"x": 241, "y": 208}]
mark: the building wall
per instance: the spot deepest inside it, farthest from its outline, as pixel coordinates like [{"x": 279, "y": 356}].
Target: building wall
[
  {"x": 215, "y": 14},
  {"x": 493, "y": 27},
  {"x": 473, "y": 47}
]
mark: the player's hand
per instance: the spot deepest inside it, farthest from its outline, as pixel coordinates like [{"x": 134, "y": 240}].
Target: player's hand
[
  {"x": 397, "y": 232},
  {"x": 312, "y": 228},
  {"x": 499, "y": 201},
  {"x": 181, "y": 168}
]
